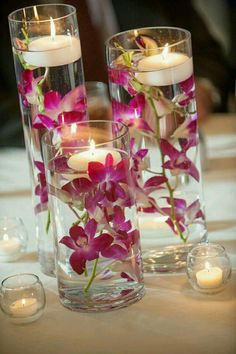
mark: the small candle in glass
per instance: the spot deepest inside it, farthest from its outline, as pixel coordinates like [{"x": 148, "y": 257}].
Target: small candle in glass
[
  {"x": 13, "y": 238},
  {"x": 208, "y": 268},
  {"x": 22, "y": 298}
]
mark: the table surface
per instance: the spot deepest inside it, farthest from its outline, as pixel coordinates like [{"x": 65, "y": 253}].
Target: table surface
[{"x": 171, "y": 318}]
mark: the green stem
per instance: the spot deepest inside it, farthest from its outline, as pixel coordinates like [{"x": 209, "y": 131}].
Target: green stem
[
  {"x": 25, "y": 35},
  {"x": 93, "y": 275},
  {"x": 48, "y": 221},
  {"x": 76, "y": 214},
  {"x": 39, "y": 91}
]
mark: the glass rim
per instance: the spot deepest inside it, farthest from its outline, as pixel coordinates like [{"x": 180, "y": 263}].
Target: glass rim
[
  {"x": 48, "y": 133},
  {"x": 110, "y": 46},
  {"x": 33, "y": 276},
  {"x": 72, "y": 12},
  {"x": 16, "y": 219},
  {"x": 214, "y": 246}
]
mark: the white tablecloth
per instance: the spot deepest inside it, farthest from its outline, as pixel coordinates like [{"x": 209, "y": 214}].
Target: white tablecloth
[{"x": 171, "y": 318}]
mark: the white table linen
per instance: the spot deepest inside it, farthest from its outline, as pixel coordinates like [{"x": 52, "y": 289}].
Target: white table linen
[{"x": 172, "y": 318}]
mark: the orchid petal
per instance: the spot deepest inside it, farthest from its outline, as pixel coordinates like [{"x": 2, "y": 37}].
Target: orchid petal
[
  {"x": 102, "y": 241},
  {"x": 76, "y": 232},
  {"x": 168, "y": 149},
  {"x": 78, "y": 262},
  {"x": 69, "y": 242},
  {"x": 42, "y": 121},
  {"x": 51, "y": 100},
  {"x": 115, "y": 251},
  {"x": 90, "y": 228},
  {"x": 96, "y": 171}
]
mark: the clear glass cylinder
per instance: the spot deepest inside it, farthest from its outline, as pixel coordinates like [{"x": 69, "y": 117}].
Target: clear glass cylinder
[
  {"x": 94, "y": 216},
  {"x": 50, "y": 81},
  {"x": 152, "y": 90}
]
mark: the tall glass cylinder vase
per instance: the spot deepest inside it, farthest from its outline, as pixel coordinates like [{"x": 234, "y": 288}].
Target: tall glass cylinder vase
[
  {"x": 50, "y": 82},
  {"x": 152, "y": 90},
  {"x": 91, "y": 190}
]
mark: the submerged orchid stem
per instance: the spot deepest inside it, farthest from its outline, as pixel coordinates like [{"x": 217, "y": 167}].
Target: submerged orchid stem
[
  {"x": 48, "y": 221},
  {"x": 93, "y": 275},
  {"x": 171, "y": 190},
  {"x": 76, "y": 214}
]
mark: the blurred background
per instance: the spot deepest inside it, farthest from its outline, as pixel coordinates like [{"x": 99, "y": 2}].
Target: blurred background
[{"x": 211, "y": 23}]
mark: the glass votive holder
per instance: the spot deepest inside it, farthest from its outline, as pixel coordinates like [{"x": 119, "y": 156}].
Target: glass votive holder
[
  {"x": 22, "y": 298},
  {"x": 13, "y": 238},
  {"x": 208, "y": 268}
]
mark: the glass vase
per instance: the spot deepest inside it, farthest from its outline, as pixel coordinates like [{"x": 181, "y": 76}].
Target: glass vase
[
  {"x": 89, "y": 177},
  {"x": 50, "y": 81},
  {"x": 152, "y": 90}
]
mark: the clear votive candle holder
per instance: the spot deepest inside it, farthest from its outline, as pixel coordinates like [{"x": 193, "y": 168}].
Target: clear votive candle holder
[
  {"x": 22, "y": 298},
  {"x": 208, "y": 268},
  {"x": 13, "y": 238}
]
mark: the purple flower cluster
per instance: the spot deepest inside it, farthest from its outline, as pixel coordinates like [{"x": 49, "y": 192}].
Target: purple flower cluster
[
  {"x": 53, "y": 110},
  {"x": 138, "y": 112},
  {"x": 106, "y": 195}
]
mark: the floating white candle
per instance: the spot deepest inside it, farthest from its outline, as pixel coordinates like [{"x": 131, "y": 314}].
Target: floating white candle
[
  {"x": 163, "y": 69},
  {"x": 53, "y": 50},
  {"x": 24, "y": 307},
  {"x": 80, "y": 161},
  {"x": 210, "y": 277}
]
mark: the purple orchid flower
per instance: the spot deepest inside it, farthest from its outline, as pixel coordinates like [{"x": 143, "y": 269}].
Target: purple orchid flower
[
  {"x": 184, "y": 215},
  {"x": 145, "y": 203},
  {"x": 122, "y": 78},
  {"x": 108, "y": 177},
  {"x": 27, "y": 87},
  {"x": 131, "y": 114},
  {"x": 186, "y": 133},
  {"x": 41, "y": 188},
  {"x": 179, "y": 162},
  {"x": 85, "y": 245},
  {"x": 62, "y": 110},
  {"x": 188, "y": 88}
]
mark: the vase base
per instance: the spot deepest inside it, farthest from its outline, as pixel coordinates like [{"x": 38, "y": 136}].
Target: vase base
[
  {"x": 47, "y": 264},
  {"x": 170, "y": 259},
  {"x": 102, "y": 299}
]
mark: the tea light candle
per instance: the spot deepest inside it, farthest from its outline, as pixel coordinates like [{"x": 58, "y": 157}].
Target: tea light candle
[
  {"x": 164, "y": 69},
  {"x": 53, "y": 50},
  {"x": 210, "y": 277},
  {"x": 24, "y": 307},
  {"x": 9, "y": 246},
  {"x": 80, "y": 161}
]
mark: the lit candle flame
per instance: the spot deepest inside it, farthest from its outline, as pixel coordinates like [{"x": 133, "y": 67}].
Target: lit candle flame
[
  {"x": 73, "y": 127},
  {"x": 135, "y": 33},
  {"x": 165, "y": 51},
  {"x": 92, "y": 145},
  {"x": 53, "y": 29},
  {"x": 136, "y": 115},
  {"x": 23, "y": 302},
  {"x": 207, "y": 266}
]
